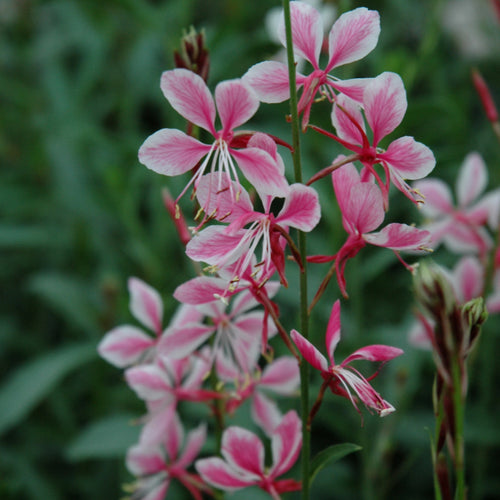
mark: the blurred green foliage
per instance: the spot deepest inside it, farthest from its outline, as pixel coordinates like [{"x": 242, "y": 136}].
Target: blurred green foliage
[{"x": 79, "y": 92}]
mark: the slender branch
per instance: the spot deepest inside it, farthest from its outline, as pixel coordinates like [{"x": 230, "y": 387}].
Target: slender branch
[
  {"x": 304, "y": 316},
  {"x": 334, "y": 166}
]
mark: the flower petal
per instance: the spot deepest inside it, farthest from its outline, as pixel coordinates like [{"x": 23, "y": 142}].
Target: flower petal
[
  {"x": 265, "y": 412},
  {"x": 201, "y": 290},
  {"x": 333, "y": 331},
  {"x": 194, "y": 442},
  {"x": 147, "y": 381},
  {"x": 399, "y": 237},
  {"x": 343, "y": 113},
  {"x": 310, "y": 353},
  {"x": 385, "y": 104},
  {"x": 374, "y": 353},
  {"x": 146, "y": 304},
  {"x": 301, "y": 209},
  {"x": 171, "y": 152},
  {"x": 281, "y": 376},
  {"x": 179, "y": 342},
  {"x": 188, "y": 94},
  {"x": 364, "y": 209},
  {"x": 286, "y": 443},
  {"x": 143, "y": 461},
  {"x": 472, "y": 179},
  {"x": 409, "y": 158},
  {"x": 353, "y": 36},
  {"x": 214, "y": 246},
  {"x": 468, "y": 279},
  {"x": 307, "y": 32},
  {"x": 243, "y": 450},
  {"x": 124, "y": 345},
  {"x": 220, "y": 475},
  {"x": 261, "y": 171},
  {"x": 236, "y": 103},
  {"x": 437, "y": 195},
  {"x": 269, "y": 80}
]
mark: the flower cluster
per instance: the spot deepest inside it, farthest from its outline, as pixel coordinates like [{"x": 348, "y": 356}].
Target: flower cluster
[{"x": 219, "y": 347}]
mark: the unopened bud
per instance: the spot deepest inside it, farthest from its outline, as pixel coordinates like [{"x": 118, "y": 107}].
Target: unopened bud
[
  {"x": 475, "y": 314},
  {"x": 485, "y": 96},
  {"x": 193, "y": 54}
]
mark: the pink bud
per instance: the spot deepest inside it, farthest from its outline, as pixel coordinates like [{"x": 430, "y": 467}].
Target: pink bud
[{"x": 484, "y": 94}]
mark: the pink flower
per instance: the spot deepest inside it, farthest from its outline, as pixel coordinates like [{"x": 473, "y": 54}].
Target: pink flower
[
  {"x": 384, "y": 104},
  {"x": 281, "y": 376},
  {"x": 352, "y": 37},
  {"x": 223, "y": 245},
  {"x": 342, "y": 378},
  {"x": 461, "y": 227},
  {"x": 238, "y": 331},
  {"x": 157, "y": 465},
  {"x": 125, "y": 345},
  {"x": 172, "y": 152},
  {"x": 243, "y": 463},
  {"x": 362, "y": 207}
]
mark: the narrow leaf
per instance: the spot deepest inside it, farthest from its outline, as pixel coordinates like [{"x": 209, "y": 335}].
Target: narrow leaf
[{"x": 331, "y": 454}]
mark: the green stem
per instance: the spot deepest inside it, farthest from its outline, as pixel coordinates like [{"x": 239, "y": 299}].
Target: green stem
[
  {"x": 304, "y": 317},
  {"x": 459, "y": 410}
]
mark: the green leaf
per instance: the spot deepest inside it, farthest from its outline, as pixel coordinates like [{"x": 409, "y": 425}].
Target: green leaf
[
  {"x": 31, "y": 383},
  {"x": 331, "y": 454},
  {"x": 109, "y": 437}
]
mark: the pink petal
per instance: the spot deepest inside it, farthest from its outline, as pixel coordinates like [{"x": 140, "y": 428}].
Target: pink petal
[
  {"x": 341, "y": 120},
  {"x": 142, "y": 461},
  {"x": 200, "y": 290},
  {"x": 333, "y": 331},
  {"x": 179, "y": 342},
  {"x": 437, "y": 195},
  {"x": 307, "y": 32},
  {"x": 493, "y": 303},
  {"x": 220, "y": 475},
  {"x": 188, "y": 94},
  {"x": 399, "y": 237},
  {"x": 385, "y": 104},
  {"x": 171, "y": 152},
  {"x": 213, "y": 245},
  {"x": 147, "y": 381},
  {"x": 468, "y": 279},
  {"x": 409, "y": 158},
  {"x": 174, "y": 437},
  {"x": 310, "y": 353},
  {"x": 194, "y": 442},
  {"x": 215, "y": 197},
  {"x": 269, "y": 80},
  {"x": 146, "y": 304},
  {"x": 157, "y": 425},
  {"x": 265, "y": 413},
  {"x": 184, "y": 315},
  {"x": 301, "y": 209},
  {"x": 286, "y": 443},
  {"x": 281, "y": 376},
  {"x": 461, "y": 238},
  {"x": 353, "y": 88},
  {"x": 265, "y": 174},
  {"x": 353, "y": 36},
  {"x": 472, "y": 179},
  {"x": 237, "y": 439},
  {"x": 374, "y": 353},
  {"x": 365, "y": 207},
  {"x": 486, "y": 210},
  {"x": 236, "y": 103},
  {"x": 343, "y": 180},
  {"x": 124, "y": 345}
]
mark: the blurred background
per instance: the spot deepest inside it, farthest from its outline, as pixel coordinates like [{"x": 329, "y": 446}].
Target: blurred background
[{"x": 79, "y": 93}]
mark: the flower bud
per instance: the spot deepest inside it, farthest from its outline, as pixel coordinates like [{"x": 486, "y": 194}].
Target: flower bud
[{"x": 193, "y": 54}]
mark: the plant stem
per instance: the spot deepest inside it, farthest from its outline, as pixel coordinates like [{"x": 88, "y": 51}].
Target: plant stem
[
  {"x": 459, "y": 407},
  {"x": 304, "y": 317}
]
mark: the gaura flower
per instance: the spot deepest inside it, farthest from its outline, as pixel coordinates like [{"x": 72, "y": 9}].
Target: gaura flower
[
  {"x": 157, "y": 465},
  {"x": 352, "y": 37},
  {"x": 243, "y": 463},
  {"x": 362, "y": 207},
  {"x": 126, "y": 345},
  {"x": 461, "y": 227},
  {"x": 384, "y": 103},
  {"x": 220, "y": 246},
  {"x": 172, "y": 152},
  {"x": 343, "y": 379}
]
